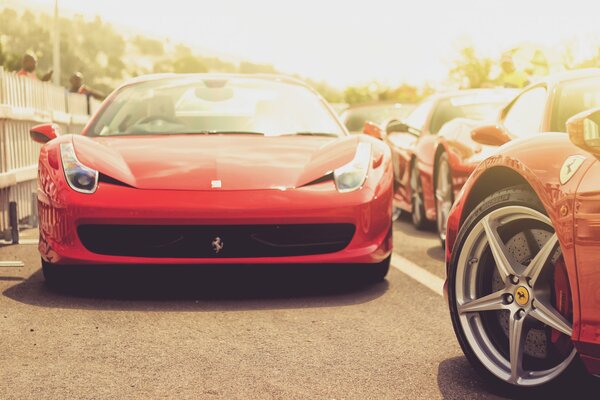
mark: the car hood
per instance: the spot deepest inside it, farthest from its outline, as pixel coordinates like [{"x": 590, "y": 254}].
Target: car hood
[{"x": 197, "y": 162}]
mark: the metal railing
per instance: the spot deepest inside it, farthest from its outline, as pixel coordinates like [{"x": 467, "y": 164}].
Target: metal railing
[{"x": 24, "y": 103}]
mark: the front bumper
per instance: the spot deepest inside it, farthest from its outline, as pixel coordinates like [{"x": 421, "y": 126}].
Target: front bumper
[{"x": 62, "y": 212}]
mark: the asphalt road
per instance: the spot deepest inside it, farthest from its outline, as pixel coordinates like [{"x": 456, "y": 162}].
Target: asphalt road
[{"x": 234, "y": 333}]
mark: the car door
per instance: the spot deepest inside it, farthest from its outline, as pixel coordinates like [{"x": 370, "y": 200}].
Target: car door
[
  {"x": 586, "y": 233},
  {"x": 402, "y": 145}
]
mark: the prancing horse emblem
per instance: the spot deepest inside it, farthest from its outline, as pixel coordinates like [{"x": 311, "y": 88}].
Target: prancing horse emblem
[
  {"x": 569, "y": 167},
  {"x": 217, "y": 244}
]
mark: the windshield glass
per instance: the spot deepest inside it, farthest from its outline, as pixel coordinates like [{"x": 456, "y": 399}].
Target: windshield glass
[
  {"x": 575, "y": 97},
  {"x": 193, "y": 105},
  {"x": 355, "y": 118},
  {"x": 473, "y": 106}
]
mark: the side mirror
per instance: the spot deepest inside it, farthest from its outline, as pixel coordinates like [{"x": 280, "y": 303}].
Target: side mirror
[
  {"x": 490, "y": 135},
  {"x": 44, "y": 133},
  {"x": 372, "y": 129},
  {"x": 396, "y": 126},
  {"x": 584, "y": 130}
]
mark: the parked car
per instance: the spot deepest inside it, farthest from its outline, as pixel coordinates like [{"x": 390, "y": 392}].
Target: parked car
[
  {"x": 444, "y": 161},
  {"x": 354, "y": 117},
  {"x": 416, "y": 149},
  {"x": 219, "y": 169},
  {"x": 523, "y": 244}
]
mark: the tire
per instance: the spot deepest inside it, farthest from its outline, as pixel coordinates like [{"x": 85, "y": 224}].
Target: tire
[
  {"x": 377, "y": 272},
  {"x": 484, "y": 328},
  {"x": 56, "y": 276},
  {"x": 416, "y": 197},
  {"x": 444, "y": 196},
  {"x": 396, "y": 213}
]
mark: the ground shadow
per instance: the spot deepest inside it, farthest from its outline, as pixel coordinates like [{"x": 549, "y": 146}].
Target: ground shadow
[
  {"x": 202, "y": 288},
  {"x": 457, "y": 380},
  {"x": 437, "y": 253}
]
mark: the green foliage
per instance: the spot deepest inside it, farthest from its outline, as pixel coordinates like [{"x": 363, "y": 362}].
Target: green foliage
[
  {"x": 251, "y": 68},
  {"x": 94, "y": 48},
  {"x": 374, "y": 92},
  {"x": 470, "y": 70},
  {"x": 148, "y": 47}
]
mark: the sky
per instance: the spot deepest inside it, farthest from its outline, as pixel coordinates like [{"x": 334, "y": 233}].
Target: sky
[{"x": 352, "y": 42}]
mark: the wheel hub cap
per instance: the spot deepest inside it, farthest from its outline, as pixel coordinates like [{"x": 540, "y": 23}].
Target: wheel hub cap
[{"x": 522, "y": 296}]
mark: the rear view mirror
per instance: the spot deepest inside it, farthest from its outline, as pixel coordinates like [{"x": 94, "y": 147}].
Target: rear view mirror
[
  {"x": 584, "y": 130},
  {"x": 396, "y": 126},
  {"x": 44, "y": 133},
  {"x": 372, "y": 129},
  {"x": 490, "y": 135}
]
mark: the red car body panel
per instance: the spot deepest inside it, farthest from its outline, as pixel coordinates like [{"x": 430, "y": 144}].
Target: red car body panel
[
  {"x": 538, "y": 161},
  {"x": 166, "y": 180},
  {"x": 465, "y": 154},
  {"x": 408, "y": 148}
]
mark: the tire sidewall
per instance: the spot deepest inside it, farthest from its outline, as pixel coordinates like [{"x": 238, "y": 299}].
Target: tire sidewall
[
  {"x": 442, "y": 159},
  {"x": 513, "y": 196}
]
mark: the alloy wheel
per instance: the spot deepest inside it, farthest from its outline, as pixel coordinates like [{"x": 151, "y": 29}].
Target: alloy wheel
[{"x": 504, "y": 296}]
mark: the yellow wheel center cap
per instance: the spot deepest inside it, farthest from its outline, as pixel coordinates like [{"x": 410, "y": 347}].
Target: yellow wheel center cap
[{"x": 522, "y": 295}]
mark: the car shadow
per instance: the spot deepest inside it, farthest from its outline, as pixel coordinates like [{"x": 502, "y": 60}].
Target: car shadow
[
  {"x": 201, "y": 288},
  {"x": 458, "y": 380},
  {"x": 437, "y": 253}
]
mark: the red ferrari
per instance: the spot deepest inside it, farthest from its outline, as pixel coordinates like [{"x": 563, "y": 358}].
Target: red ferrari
[
  {"x": 442, "y": 162},
  {"x": 523, "y": 244},
  {"x": 416, "y": 149},
  {"x": 213, "y": 169}
]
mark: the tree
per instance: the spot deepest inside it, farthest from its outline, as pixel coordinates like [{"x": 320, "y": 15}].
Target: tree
[
  {"x": 148, "y": 47},
  {"x": 470, "y": 70},
  {"x": 247, "y": 67}
]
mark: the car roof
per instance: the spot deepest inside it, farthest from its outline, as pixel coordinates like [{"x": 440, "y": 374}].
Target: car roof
[
  {"x": 386, "y": 103},
  {"x": 216, "y": 76},
  {"x": 474, "y": 92},
  {"x": 565, "y": 76}
]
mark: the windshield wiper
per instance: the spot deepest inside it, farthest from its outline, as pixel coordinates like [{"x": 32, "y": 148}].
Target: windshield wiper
[
  {"x": 224, "y": 133},
  {"x": 310, "y": 134}
]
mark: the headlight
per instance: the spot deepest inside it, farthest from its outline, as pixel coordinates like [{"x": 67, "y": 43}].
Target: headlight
[
  {"x": 352, "y": 175},
  {"x": 82, "y": 179}
]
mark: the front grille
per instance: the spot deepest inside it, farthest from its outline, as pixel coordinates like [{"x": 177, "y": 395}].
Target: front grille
[{"x": 215, "y": 241}]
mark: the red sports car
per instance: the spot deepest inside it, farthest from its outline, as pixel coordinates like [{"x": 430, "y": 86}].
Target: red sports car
[
  {"x": 415, "y": 145},
  {"x": 443, "y": 162},
  {"x": 219, "y": 169},
  {"x": 523, "y": 244}
]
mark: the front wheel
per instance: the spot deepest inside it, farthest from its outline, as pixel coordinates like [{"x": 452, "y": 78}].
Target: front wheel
[
  {"x": 444, "y": 196},
  {"x": 418, "y": 206},
  {"x": 509, "y": 295},
  {"x": 377, "y": 272},
  {"x": 56, "y": 276}
]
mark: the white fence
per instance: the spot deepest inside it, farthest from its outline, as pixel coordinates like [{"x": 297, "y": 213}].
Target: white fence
[{"x": 24, "y": 103}]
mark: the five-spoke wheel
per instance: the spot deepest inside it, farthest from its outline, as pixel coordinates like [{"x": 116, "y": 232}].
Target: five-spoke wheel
[{"x": 511, "y": 316}]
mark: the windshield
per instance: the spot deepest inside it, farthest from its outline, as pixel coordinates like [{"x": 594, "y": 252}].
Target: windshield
[
  {"x": 575, "y": 97},
  {"x": 192, "y": 105},
  {"x": 476, "y": 106},
  {"x": 355, "y": 118}
]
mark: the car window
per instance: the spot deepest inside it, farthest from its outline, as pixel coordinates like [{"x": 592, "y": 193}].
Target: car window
[
  {"x": 525, "y": 116},
  {"x": 190, "y": 105},
  {"x": 355, "y": 118},
  {"x": 574, "y": 97},
  {"x": 419, "y": 116},
  {"x": 480, "y": 106}
]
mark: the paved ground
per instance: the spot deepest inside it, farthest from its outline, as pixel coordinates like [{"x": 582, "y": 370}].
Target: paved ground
[{"x": 234, "y": 333}]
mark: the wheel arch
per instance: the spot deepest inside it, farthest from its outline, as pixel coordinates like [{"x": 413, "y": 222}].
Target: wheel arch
[{"x": 489, "y": 182}]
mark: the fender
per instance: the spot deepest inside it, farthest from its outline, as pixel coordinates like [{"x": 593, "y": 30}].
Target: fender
[{"x": 536, "y": 161}]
